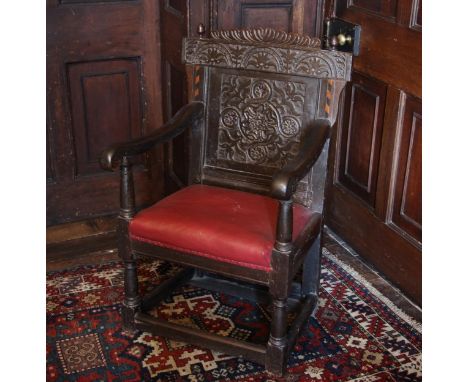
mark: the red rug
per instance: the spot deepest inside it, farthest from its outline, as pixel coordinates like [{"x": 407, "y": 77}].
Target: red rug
[{"x": 357, "y": 334}]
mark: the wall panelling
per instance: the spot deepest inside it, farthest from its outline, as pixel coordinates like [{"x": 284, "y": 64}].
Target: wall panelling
[
  {"x": 103, "y": 81},
  {"x": 374, "y": 194}
]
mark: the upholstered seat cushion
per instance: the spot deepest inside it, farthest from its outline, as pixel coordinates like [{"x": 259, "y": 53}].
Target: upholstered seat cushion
[{"x": 218, "y": 223}]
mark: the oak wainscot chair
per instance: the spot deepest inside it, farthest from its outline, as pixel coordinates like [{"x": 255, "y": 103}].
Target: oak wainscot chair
[{"x": 262, "y": 104}]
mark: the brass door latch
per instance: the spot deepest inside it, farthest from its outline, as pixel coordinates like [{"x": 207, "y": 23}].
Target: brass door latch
[{"x": 342, "y": 35}]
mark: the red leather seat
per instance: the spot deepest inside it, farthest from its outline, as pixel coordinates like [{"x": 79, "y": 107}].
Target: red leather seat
[{"x": 221, "y": 224}]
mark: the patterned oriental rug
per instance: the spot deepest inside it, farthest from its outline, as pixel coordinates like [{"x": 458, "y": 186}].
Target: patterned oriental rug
[{"x": 357, "y": 334}]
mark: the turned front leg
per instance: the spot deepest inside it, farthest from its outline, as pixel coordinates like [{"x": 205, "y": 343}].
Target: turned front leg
[
  {"x": 276, "y": 358},
  {"x": 132, "y": 300}
]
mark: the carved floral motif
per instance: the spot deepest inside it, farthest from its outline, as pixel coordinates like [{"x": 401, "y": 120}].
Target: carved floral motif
[
  {"x": 260, "y": 120},
  {"x": 270, "y": 51}
]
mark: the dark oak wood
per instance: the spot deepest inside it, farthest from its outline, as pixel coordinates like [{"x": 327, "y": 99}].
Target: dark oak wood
[
  {"x": 311, "y": 268},
  {"x": 74, "y": 248},
  {"x": 406, "y": 211},
  {"x": 330, "y": 241},
  {"x": 174, "y": 26},
  {"x": 204, "y": 339},
  {"x": 71, "y": 244},
  {"x": 92, "y": 249},
  {"x": 361, "y": 136},
  {"x": 300, "y": 16},
  {"x": 391, "y": 48},
  {"x": 254, "y": 292},
  {"x": 56, "y": 235},
  {"x": 132, "y": 300},
  {"x": 261, "y": 107},
  {"x": 203, "y": 263},
  {"x": 181, "y": 19},
  {"x": 374, "y": 194},
  {"x": 103, "y": 85},
  {"x": 276, "y": 359},
  {"x": 285, "y": 181},
  {"x": 183, "y": 119},
  {"x": 105, "y": 102}
]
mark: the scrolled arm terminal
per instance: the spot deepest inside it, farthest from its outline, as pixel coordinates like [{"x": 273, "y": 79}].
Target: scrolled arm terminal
[{"x": 185, "y": 117}]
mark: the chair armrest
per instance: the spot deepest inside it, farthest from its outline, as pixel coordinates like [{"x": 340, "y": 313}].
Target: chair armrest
[
  {"x": 185, "y": 117},
  {"x": 284, "y": 182}
]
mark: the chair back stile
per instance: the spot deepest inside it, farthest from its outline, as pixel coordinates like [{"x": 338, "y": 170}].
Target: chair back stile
[{"x": 261, "y": 89}]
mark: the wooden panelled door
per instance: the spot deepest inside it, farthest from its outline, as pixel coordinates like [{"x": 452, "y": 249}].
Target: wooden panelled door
[
  {"x": 174, "y": 21},
  {"x": 300, "y": 16},
  {"x": 374, "y": 196},
  {"x": 103, "y": 86},
  {"x": 180, "y": 18}
]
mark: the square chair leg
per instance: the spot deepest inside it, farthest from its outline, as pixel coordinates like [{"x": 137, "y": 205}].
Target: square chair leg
[{"x": 311, "y": 269}]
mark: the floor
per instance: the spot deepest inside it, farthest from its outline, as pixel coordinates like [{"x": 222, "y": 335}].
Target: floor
[
  {"x": 346, "y": 254},
  {"x": 81, "y": 243},
  {"x": 93, "y": 242}
]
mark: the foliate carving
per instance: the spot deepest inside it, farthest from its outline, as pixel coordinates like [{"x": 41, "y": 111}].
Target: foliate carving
[
  {"x": 266, "y": 35},
  {"x": 260, "y": 50},
  {"x": 260, "y": 120}
]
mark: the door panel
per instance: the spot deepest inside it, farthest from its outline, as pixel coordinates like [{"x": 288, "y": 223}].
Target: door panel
[
  {"x": 362, "y": 136},
  {"x": 374, "y": 194},
  {"x": 174, "y": 15},
  {"x": 406, "y": 213},
  {"x": 105, "y": 105},
  {"x": 301, "y": 16},
  {"x": 385, "y": 8},
  {"x": 102, "y": 76},
  {"x": 276, "y": 17},
  {"x": 390, "y": 50},
  {"x": 416, "y": 15}
]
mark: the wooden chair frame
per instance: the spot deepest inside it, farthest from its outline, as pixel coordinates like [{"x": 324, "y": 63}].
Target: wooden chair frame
[{"x": 277, "y": 286}]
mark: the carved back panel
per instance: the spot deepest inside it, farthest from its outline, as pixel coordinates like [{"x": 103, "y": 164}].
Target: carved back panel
[
  {"x": 261, "y": 89},
  {"x": 259, "y": 120}
]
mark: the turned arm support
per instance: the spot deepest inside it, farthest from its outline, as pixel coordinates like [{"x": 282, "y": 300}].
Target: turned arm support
[
  {"x": 185, "y": 117},
  {"x": 285, "y": 181}
]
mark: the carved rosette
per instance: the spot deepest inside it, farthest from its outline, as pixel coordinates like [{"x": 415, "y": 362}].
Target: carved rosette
[
  {"x": 270, "y": 51},
  {"x": 260, "y": 120}
]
